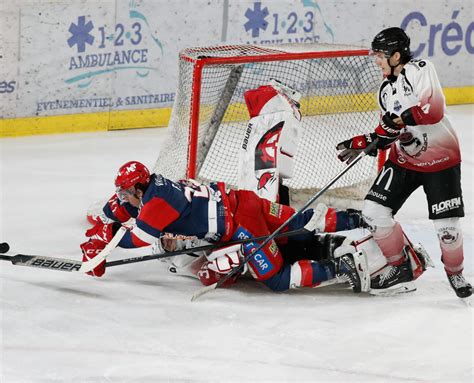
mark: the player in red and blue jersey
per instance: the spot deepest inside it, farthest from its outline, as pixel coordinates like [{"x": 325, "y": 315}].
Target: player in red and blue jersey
[{"x": 209, "y": 212}]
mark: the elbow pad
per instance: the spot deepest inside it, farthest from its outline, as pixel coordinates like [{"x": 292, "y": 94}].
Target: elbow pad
[{"x": 408, "y": 118}]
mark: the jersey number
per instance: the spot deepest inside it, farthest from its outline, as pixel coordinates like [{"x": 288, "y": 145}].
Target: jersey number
[{"x": 200, "y": 191}]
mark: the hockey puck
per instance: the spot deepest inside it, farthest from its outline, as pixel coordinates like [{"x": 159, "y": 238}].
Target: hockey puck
[{"x": 4, "y": 247}]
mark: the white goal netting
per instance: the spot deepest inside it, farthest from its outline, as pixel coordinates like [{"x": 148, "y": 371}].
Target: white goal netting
[{"x": 209, "y": 118}]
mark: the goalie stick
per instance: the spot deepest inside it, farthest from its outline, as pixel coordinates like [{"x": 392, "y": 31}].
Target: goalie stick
[
  {"x": 61, "y": 264},
  {"x": 234, "y": 271}
]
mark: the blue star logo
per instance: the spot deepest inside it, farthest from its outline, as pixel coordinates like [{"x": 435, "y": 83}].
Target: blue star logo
[
  {"x": 256, "y": 19},
  {"x": 80, "y": 34}
]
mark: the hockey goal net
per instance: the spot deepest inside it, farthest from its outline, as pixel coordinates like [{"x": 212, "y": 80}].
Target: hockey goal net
[{"x": 207, "y": 126}]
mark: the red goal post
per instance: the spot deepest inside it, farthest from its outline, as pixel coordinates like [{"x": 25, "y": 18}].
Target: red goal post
[{"x": 338, "y": 85}]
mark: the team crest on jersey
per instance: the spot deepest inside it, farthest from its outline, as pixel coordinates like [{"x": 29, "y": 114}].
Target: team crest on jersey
[
  {"x": 397, "y": 106},
  {"x": 275, "y": 209},
  {"x": 407, "y": 90},
  {"x": 413, "y": 146},
  {"x": 265, "y": 179},
  {"x": 273, "y": 247},
  {"x": 159, "y": 180},
  {"x": 384, "y": 97}
]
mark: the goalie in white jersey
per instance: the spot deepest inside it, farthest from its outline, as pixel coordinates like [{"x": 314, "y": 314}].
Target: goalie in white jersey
[{"x": 424, "y": 151}]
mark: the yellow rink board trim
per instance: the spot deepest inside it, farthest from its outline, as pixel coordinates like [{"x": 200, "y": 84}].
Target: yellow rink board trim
[
  {"x": 132, "y": 119},
  {"x": 88, "y": 122}
]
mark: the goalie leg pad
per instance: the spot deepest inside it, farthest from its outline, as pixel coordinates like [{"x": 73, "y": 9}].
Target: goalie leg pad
[{"x": 362, "y": 268}]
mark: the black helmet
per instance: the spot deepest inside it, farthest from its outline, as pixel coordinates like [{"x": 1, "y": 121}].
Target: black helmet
[{"x": 392, "y": 40}]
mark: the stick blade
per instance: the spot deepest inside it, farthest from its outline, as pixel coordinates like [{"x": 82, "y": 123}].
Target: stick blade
[{"x": 203, "y": 291}]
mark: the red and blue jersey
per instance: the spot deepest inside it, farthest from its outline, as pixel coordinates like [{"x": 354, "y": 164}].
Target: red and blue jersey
[{"x": 183, "y": 208}]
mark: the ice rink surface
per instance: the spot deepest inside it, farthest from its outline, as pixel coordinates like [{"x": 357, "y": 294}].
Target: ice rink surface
[{"x": 137, "y": 324}]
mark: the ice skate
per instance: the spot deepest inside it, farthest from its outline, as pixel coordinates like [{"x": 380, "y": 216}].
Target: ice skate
[
  {"x": 461, "y": 287},
  {"x": 393, "y": 280},
  {"x": 353, "y": 268}
]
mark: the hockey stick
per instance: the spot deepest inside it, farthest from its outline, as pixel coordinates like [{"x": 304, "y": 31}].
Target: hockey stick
[
  {"x": 61, "y": 264},
  {"x": 214, "y": 246},
  {"x": 234, "y": 271}
]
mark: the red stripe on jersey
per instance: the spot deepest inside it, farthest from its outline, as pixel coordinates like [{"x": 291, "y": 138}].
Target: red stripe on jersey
[
  {"x": 137, "y": 242},
  {"x": 158, "y": 213},
  {"x": 306, "y": 273},
  {"x": 436, "y": 113},
  {"x": 331, "y": 221},
  {"x": 118, "y": 210}
]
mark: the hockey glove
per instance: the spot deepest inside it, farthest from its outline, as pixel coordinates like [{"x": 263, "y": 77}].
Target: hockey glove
[
  {"x": 225, "y": 259},
  {"x": 91, "y": 249},
  {"x": 220, "y": 263},
  {"x": 352, "y": 147},
  {"x": 104, "y": 232},
  {"x": 388, "y": 131}
]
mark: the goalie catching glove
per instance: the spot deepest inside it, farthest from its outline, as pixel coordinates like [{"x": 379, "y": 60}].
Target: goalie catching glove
[{"x": 220, "y": 263}]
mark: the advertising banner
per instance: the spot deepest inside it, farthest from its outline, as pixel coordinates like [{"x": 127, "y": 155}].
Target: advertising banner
[{"x": 83, "y": 56}]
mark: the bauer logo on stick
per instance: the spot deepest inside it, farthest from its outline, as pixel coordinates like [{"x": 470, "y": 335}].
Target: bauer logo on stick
[{"x": 52, "y": 264}]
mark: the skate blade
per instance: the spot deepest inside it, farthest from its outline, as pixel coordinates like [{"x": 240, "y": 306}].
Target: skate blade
[{"x": 401, "y": 288}]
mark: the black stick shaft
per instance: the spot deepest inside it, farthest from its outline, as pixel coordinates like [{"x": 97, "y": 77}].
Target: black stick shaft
[{"x": 150, "y": 257}]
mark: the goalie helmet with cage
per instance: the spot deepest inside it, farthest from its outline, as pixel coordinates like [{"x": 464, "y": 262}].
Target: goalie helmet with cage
[
  {"x": 131, "y": 176},
  {"x": 392, "y": 40}
]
